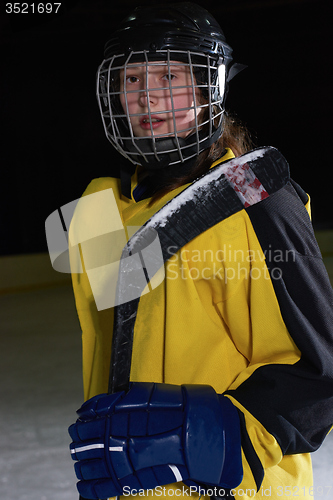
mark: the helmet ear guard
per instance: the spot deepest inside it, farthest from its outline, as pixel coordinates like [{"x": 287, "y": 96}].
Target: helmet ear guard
[{"x": 176, "y": 34}]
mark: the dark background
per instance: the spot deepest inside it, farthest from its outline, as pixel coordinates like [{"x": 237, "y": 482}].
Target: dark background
[{"x": 52, "y": 140}]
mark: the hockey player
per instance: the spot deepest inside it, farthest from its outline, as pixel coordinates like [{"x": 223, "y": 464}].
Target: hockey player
[{"x": 232, "y": 365}]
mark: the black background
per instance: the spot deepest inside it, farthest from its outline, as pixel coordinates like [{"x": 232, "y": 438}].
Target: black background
[{"x": 52, "y": 139}]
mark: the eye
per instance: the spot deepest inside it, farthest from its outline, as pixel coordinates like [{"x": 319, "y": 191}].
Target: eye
[
  {"x": 169, "y": 77},
  {"x": 132, "y": 79}
]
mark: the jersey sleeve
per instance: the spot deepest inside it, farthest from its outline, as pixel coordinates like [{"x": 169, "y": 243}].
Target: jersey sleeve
[
  {"x": 96, "y": 322},
  {"x": 284, "y": 396}
]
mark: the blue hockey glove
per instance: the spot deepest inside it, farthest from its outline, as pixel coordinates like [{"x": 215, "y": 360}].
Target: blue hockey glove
[{"x": 155, "y": 434}]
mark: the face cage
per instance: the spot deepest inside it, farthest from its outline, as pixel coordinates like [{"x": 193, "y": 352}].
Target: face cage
[{"x": 159, "y": 150}]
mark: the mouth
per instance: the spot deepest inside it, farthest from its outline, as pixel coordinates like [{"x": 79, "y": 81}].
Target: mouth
[{"x": 153, "y": 122}]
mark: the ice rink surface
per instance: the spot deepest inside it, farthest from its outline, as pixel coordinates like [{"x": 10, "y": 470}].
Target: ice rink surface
[{"x": 40, "y": 370}]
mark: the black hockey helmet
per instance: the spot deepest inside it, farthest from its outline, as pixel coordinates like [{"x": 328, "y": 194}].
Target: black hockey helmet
[
  {"x": 181, "y": 27},
  {"x": 183, "y": 32}
]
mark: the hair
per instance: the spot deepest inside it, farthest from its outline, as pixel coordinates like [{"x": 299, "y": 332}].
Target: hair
[{"x": 234, "y": 136}]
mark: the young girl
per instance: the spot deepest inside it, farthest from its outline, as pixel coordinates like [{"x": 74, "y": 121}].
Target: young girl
[{"x": 230, "y": 353}]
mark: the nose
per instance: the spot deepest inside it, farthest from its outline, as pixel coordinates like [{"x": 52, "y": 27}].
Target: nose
[{"x": 148, "y": 97}]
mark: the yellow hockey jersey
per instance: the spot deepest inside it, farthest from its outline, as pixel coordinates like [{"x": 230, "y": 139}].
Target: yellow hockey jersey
[{"x": 245, "y": 307}]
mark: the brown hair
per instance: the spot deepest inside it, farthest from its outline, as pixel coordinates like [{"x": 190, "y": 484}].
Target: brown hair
[{"x": 235, "y": 136}]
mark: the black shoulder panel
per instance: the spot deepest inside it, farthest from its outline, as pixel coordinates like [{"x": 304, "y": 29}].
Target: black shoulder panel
[{"x": 294, "y": 402}]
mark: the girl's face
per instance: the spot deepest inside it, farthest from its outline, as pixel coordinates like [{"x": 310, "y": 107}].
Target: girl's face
[{"x": 137, "y": 102}]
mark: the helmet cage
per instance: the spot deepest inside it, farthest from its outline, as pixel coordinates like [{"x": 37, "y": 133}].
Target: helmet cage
[{"x": 207, "y": 73}]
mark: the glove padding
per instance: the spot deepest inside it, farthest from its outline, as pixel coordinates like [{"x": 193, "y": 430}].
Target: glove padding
[{"x": 155, "y": 434}]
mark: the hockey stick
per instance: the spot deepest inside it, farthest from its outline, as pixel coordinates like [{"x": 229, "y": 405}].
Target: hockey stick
[{"x": 223, "y": 191}]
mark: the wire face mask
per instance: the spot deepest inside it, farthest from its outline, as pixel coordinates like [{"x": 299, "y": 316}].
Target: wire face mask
[
  {"x": 164, "y": 109},
  {"x": 162, "y": 85}
]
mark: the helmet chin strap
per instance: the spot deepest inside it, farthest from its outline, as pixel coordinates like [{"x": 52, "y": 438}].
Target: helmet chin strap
[
  {"x": 166, "y": 162},
  {"x": 164, "y": 152}
]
